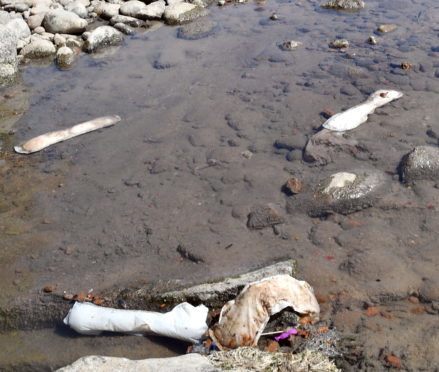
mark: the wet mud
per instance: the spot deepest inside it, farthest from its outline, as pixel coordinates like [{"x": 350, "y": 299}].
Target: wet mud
[{"x": 212, "y": 128}]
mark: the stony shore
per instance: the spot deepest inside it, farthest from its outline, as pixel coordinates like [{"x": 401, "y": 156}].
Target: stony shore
[{"x": 61, "y": 29}]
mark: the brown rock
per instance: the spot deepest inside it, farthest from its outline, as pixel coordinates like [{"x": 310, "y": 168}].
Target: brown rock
[
  {"x": 371, "y": 311},
  {"x": 264, "y": 216},
  {"x": 294, "y": 186},
  {"x": 413, "y": 300},
  {"x": 418, "y": 310},
  {"x": 406, "y": 65},
  {"x": 393, "y": 361},
  {"x": 49, "y": 288},
  {"x": 273, "y": 346}
]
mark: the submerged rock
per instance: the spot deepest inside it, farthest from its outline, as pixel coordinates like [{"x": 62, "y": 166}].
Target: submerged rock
[
  {"x": 63, "y": 22},
  {"x": 182, "y": 13},
  {"x": 344, "y": 4},
  {"x": 102, "y": 37},
  {"x": 198, "y": 29},
  {"x": 339, "y": 44},
  {"x": 323, "y": 146},
  {"x": 386, "y": 28},
  {"x": 264, "y": 216},
  {"x": 343, "y": 192},
  {"x": 420, "y": 164}
]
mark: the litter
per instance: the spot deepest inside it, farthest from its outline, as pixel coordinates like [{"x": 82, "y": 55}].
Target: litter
[
  {"x": 357, "y": 115},
  {"x": 287, "y": 334},
  {"x": 242, "y": 320},
  {"x": 185, "y": 322},
  {"x": 41, "y": 142}
]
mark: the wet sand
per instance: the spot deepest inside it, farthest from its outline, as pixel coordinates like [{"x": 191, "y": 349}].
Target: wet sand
[{"x": 108, "y": 210}]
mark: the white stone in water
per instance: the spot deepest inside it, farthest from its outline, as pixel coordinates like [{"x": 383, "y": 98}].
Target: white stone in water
[
  {"x": 38, "y": 48},
  {"x": 102, "y": 36},
  {"x": 291, "y": 44},
  {"x": 179, "y": 13},
  {"x": 339, "y": 180},
  {"x": 65, "y": 56}
]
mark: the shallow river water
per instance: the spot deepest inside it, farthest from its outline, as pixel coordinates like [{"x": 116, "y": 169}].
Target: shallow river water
[{"x": 109, "y": 209}]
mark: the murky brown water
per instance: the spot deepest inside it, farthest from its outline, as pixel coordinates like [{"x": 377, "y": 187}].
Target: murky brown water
[{"x": 111, "y": 208}]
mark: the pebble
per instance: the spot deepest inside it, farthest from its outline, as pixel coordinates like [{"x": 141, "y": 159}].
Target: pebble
[
  {"x": 290, "y": 45},
  {"x": 372, "y": 40},
  {"x": 339, "y": 44},
  {"x": 386, "y": 28}
]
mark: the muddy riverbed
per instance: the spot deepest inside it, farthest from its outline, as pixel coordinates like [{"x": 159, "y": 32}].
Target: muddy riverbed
[{"x": 194, "y": 154}]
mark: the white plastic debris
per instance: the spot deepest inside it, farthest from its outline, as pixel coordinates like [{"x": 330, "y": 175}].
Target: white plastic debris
[
  {"x": 242, "y": 320},
  {"x": 40, "y": 142},
  {"x": 357, "y": 115},
  {"x": 185, "y": 322}
]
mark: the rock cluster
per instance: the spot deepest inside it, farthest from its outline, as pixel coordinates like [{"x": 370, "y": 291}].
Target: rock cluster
[{"x": 60, "y": 28}]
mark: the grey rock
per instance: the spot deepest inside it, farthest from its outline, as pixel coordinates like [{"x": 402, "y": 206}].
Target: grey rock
[
  {"x": 297, "y": 141},
  {"x": 102, "y": 37},
  {"x": 130, "y": 21},
  {"x": 182, "y": 13},
  {"x": 39, "y": 30},
  {"x": 325, "y": 145},
  {"x": 264, "y": 216},
  {"x": 344, "y": 5},
  {"x": 35, "y": 21},
  {"x": 59, "y": 40},
  {"x": 17, "y": 7},
  {"x": 77, "y": 8},
  {"x": 106, "y": 10},
  {"x": 155, "y": 10},
  {"x": 343, "y": 192},
  {"x": 8, "y": 54},
  {"x": 19, "y": 27},
  {"x": 132, "y": 8},
  {"x": 5, "y": 17},
  {"x": 125, "y": 29},
  {"x": 65, "y": 57},
  {"x": 421, "y": 163},
  {"x": 64, "y": 22},
  {"x": 217, "y": 293},
  {"x": 198, "y": 29},
  {"x": 38, "y": 48}
]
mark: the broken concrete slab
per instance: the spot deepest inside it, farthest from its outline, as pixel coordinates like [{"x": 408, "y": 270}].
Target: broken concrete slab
[{"x": 217, "y": 293}]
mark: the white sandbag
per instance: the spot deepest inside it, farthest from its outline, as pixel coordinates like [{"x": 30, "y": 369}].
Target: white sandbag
[
  {"x": 242, "y": 320},
  {"x": 185, "y": 322},
  {"x": 41, "y": 142},
  {"x": 357, "y": 115}
]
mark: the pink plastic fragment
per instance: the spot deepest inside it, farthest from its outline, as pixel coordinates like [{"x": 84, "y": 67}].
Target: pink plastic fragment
[{"x": 292, "y": 331}]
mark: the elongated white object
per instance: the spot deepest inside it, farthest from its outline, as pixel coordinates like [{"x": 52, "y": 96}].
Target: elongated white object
[
  {"x": 184, "y": 322},
  {"x": 357, "y": 115},
  {"x": 242, "y": 320},
  {"x": 38, "y": 143}
]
